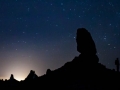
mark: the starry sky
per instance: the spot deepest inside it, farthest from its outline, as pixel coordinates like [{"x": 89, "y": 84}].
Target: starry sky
[{"x": 40, "y": 34}]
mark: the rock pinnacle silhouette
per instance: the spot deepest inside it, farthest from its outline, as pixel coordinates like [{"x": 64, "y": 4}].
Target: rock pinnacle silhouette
[
  {"x": 11, "y": 77},
  {"x": 31, "y": 75},
  {"x": 85, "y": 43}
]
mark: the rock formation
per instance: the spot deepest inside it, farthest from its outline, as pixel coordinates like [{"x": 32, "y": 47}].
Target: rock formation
[
  {"x": 85, "y": 43},
  {"x": 48, "y": 71},
  {"x": 31, "y": 76}
]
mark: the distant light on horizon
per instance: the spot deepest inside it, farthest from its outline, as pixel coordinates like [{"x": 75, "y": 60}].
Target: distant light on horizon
[
  {"x": 19, "y": 78},
  {"x": 19, "y": 64}
]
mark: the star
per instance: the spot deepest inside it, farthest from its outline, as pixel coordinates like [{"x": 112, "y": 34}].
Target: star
[
  {"x": 61, "y": 3},
  {"x": 23, "y": 32},
  {"x": 28, "y": 9}
]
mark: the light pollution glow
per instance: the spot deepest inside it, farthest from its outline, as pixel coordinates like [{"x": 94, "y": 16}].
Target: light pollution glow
[{"x": 20, "y": 66}]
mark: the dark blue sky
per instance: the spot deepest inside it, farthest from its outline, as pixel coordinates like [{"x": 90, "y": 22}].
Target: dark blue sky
[{"x": 40, "y": 34}]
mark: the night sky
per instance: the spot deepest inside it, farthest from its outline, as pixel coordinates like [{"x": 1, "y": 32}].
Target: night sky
[{"x": 40, "y": 34}]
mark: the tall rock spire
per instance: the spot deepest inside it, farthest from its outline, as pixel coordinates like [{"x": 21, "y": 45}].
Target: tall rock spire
[
  {"x": 85, "y": 43},
  {"x": 12, "y": 77},
  {"x": 31, "y": 75}
]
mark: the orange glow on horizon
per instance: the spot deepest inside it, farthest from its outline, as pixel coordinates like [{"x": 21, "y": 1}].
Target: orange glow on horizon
[
  {"x": 3, "y": 78},
  {"x": 17, "y": 78}
]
